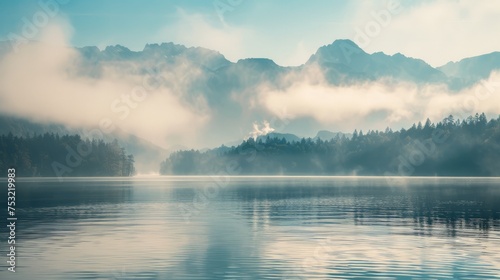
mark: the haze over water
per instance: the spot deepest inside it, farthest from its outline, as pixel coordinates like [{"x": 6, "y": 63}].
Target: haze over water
[{"x": 257, "y": 228}]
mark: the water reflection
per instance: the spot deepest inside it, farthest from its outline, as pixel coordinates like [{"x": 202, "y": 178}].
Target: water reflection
[
  {"x": 454, "y": 206},
  {"x": 258, "y": 228}
]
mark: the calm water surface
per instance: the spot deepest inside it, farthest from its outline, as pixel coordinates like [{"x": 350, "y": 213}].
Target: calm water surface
[{"x": 255, "y": 228}]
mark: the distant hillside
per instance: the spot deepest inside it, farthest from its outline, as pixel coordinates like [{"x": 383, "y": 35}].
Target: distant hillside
[
  {"x": 469, "y": 70},
  {"x": 147, "y": 155},
  {"x": 54, "y": 155},
  {"x": 448, "y": 148},
  {"x": 287, "y": 136},
  {"x": 326, "y": 135}
]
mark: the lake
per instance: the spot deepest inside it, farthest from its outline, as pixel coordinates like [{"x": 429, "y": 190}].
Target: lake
[{"x": 255, "y": 228}]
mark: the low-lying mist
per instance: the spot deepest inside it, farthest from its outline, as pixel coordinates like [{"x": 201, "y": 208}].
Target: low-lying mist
[
  {"x": 376, "y": 104},
  {"x": 47, "y": 81}
]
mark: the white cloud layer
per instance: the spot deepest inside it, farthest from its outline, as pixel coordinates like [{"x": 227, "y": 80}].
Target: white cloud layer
[
  {"x": 379, "y": 104},
  {"x": 42, "y": 81}
]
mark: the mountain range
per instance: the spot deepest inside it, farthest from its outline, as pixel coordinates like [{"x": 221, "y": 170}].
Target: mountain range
[
  {"x": 343, "y": 62},
  {"x": 228, "y": 88}
]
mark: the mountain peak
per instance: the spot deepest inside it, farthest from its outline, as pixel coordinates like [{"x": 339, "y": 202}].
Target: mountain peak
[
  {"x": 261, "y": 61},
  {"x": 340, "y": 51},
  {"x": 118, "y": 52},
  {"x": 166, "y": 48},
  {"x": 344, "y": 43},
  {"x": 343, "y": 46},
  {"x": 116, "y": 48}
]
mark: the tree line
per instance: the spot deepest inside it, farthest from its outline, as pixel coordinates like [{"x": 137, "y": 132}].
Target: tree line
[
  {"x": 451, "y": 147},
  {"x": 68, "y": 155}
]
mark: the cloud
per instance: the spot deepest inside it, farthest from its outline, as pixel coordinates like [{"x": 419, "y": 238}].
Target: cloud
[
  {"x": 43, "y": 81},
  {"x": 377, "y": 104},
  {"x": 259, "y": 131},
  {"x": 435, "y": 31}
]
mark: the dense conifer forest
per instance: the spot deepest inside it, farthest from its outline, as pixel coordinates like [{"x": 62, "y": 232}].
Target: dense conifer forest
[
  {"x": 60, "y": 156},
  {"x": 452, "y": 147}
]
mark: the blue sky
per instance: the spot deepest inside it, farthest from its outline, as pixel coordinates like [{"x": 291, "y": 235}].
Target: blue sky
[{"x": 286, "y": 31}]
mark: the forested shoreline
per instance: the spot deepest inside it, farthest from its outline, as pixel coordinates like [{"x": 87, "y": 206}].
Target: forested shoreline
[
  {"x": 51, "y": 155},
  {"x": 469, "y": 147}
]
